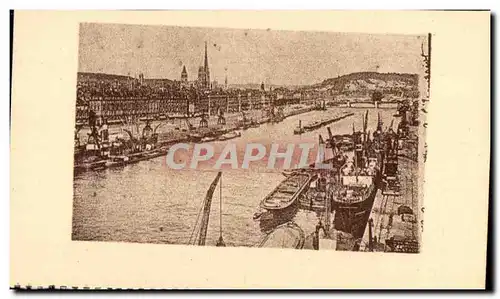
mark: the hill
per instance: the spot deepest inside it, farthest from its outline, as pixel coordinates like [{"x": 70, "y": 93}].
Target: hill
[
  {"x": 85, "y": 76},
  {"x": 365, "y": 83},
  {"x": 102, "y": 76}
]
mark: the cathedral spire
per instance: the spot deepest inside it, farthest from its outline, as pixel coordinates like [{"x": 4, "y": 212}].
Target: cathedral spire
[
  {"x": 206, "y": 57},
  {"x": 206, "y": 71}
]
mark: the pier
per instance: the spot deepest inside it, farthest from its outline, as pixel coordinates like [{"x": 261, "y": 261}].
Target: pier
[{"x": 394, "y": 221}]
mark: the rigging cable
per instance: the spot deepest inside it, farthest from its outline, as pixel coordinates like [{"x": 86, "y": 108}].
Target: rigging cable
[
  {"x": 220, "y": 242},
  {"x": 195, "y": 225},
  {"x": 220, "y": 206}
]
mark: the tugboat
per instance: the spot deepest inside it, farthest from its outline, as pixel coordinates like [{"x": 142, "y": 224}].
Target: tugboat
[{"x": 299, "y": 130}]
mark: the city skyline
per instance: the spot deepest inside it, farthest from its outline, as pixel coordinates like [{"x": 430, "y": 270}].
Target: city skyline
[{"x": 250, "y": 56}]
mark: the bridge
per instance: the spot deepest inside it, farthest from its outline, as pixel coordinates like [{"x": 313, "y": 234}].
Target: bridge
[{"x": 379, "y": 105}]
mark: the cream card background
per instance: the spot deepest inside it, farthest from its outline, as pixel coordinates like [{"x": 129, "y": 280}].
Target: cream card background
[{"x": 456, "y": 173}]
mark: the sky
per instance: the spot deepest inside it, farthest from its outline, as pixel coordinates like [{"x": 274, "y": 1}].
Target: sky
[{"x": 246, "y": 56}]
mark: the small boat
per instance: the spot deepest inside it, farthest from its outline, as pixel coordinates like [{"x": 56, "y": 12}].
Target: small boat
[
  {"x": 95, "y": 165},
  {"x": 209, "y": 139},
  {"x": 117, "y": 161},
  {"x": 287, "y": 192},
  {"x": 230, "y": 135},
  {"x": 289, "y": 172},
  {"x": 145, "y": 155},
  {"x": 288, "y": 235},
  {"x": 299, "y": 130}
]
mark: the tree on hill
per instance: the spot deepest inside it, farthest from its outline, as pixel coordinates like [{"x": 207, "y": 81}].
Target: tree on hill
[{"x": 377, "y": 96}]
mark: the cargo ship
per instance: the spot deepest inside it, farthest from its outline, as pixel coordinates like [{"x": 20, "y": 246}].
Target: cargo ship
[
  {"x": 354, "y": 196},
  {"x": 359, "y": 180}
]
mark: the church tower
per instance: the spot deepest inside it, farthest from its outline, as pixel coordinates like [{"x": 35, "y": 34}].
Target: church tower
[
  {"x": 184, "y": 76},
  {"x": 206, "y": 70}
]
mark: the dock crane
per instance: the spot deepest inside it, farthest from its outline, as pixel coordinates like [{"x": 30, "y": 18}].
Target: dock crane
[{"x": 200, "y": 237}]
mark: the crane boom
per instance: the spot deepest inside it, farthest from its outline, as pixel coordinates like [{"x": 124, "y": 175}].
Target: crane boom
[{"x": 206, "y": 210}]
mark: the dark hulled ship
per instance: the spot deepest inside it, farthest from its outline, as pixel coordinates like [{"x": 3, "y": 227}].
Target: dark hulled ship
[{"x": 359, "y": 180}]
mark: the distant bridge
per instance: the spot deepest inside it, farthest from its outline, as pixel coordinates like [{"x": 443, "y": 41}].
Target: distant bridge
[{"x": 379, "y": 105}]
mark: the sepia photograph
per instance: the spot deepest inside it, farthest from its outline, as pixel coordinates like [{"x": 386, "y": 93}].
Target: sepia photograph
[
  {"x": 160, "y": 150},
  {"x": 255, "y": 138}
]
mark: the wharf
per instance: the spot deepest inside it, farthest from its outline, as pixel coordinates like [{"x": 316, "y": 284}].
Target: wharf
[
  {"x": 394, "y": 219},
  {"x": 166, "y": 139}
]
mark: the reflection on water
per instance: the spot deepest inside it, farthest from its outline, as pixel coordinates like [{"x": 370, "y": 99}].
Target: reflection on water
[{"x": 150, "y": 203}]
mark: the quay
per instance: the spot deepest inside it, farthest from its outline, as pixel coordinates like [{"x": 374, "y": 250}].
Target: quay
[
  {"x": 185, "y": 132},
  {"x": 394, "y": 221},
  {"x": 389, "y": 222}
]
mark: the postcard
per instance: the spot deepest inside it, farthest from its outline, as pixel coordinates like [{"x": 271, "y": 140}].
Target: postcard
[{"x": 246, "y": 149}]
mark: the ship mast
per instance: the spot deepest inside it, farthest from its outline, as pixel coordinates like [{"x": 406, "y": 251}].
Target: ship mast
[{"x": 355, "y": 150}]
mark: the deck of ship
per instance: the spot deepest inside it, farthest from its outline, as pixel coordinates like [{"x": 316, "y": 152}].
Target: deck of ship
[{"x": 287, "y": 192}]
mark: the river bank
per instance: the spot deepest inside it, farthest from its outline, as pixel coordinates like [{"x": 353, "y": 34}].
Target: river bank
[{"x": 174, "y": 132}]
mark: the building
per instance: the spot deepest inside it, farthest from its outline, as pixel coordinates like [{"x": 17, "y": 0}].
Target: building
[
  {"x": 204, "y": 72},
  {"x": 184, "y": 78},
  {"x": 119, "y": 109},
  {"x": 82, "y": 111}
]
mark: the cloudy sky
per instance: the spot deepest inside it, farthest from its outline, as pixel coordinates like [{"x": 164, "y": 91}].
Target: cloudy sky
[{"x": 250, "y": 56}]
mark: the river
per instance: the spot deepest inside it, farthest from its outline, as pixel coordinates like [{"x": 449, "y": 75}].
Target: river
[{"x": 148, "y": 202}]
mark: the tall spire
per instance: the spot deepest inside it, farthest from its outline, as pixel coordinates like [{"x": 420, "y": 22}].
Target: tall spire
[
  {"x": 206, "y": 71},
  {"x": 206, "y": 58}
]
